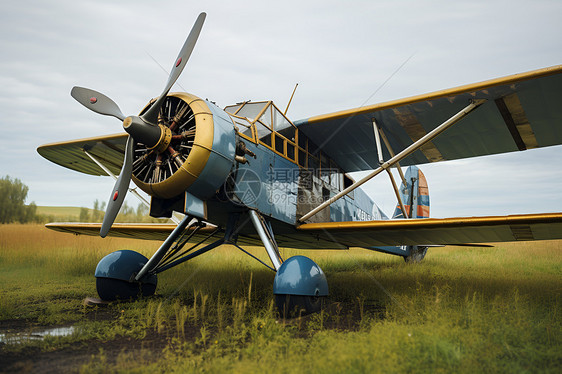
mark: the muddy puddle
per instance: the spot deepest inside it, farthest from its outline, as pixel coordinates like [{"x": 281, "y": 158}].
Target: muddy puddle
[{"x": 35, "y": 335}]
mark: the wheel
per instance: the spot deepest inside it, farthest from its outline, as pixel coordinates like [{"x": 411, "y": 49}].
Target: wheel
[
  {"x": 417, "y": 253},
  {"x": 115, "y": 272},
  {"x": 291, "y": 306},
  {"x": 110, "y": 289},
  {"x": 300, "y": 287}
]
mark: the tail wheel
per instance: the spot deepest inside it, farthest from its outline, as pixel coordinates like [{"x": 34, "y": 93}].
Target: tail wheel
[
  {"x": 155, "y": 165},
  {"x": 417, "y": 253}
]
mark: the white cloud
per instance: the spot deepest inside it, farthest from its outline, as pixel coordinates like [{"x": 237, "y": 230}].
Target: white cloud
[{"x": 338, "y": 53}]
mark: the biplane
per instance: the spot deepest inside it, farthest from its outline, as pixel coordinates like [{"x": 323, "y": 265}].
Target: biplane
[{"x": 247, "y": 175}]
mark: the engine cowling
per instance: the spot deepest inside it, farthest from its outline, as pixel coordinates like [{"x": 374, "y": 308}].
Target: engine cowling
[{"x": 195, "y": 152}]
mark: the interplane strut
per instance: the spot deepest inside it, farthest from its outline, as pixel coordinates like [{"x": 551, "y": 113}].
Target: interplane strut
[{"x": 406, "y": 152}]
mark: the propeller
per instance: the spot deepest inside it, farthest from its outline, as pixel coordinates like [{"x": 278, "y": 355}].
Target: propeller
[
  {"x": 152, "y": 113},
  {"x": 143, "y": 129},
  {"x": 119, "y": 190},
  {"x": 97, "y": 102}
]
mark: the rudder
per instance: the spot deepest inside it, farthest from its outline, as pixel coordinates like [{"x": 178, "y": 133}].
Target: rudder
[{"x": 414, "y": 195}]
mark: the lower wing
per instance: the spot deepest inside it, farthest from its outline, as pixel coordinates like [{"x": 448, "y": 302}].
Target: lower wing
[
  {"x": 435, "y": 231},
  {"x": 145, "y": 231},
  {"x": 342, "y": 235},
  {"x": 160, "y": 231}
]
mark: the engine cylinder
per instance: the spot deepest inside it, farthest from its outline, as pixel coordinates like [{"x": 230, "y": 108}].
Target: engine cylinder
[{"x": 200, "y": 154}]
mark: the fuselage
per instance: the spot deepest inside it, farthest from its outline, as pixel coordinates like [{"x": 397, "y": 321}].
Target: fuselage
[
  {"x": 216, "y": 162},
  {"x": 289, "y": 175}
]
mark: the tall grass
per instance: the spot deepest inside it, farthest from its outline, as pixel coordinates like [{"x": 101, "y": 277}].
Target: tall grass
[
  {"x": 38, "y": 265},
  {"x": 462, "y": 309}
]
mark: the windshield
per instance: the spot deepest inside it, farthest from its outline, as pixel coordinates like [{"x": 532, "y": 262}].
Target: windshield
[{"x": 248, "y": 110}]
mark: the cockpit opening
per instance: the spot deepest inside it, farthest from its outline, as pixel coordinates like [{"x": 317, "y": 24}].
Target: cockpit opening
[{"x": 263, "y": 123}]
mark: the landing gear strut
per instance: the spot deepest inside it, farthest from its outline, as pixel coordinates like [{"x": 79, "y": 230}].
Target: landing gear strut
[
  {"x": 300, "y": 286},
  {"x": 125, "y": 275}
]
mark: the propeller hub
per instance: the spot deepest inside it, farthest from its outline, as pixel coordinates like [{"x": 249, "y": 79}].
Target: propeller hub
[
  {"x": 127, "y": 122},
  {"x": 165, "y": 139},
  {"x": 143, "y": 132}
]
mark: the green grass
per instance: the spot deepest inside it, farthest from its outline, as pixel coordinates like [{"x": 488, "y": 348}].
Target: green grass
[{"x": 462, "y": 309}]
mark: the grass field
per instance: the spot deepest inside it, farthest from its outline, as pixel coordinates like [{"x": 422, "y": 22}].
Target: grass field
[
  {"x": 60, "y": 211},
  {"x": 461, "y": 310}
]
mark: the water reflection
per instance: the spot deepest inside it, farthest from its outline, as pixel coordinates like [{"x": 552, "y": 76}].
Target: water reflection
[{"x": 22, "y": 337}]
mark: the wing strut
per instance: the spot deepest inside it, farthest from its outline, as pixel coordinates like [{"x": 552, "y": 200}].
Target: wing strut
[
  {"x": 392, "y": 154},
  {"x": 381, "y": 161},
  {"x": 400, "y": 156}
]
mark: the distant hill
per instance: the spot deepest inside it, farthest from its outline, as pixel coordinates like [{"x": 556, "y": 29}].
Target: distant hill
[
  {"x": 78, "y": 214},
  {"x": 62, "y": 213}
]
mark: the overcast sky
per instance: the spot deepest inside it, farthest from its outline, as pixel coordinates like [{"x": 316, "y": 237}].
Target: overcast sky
[{"x": 339, "y": 52}]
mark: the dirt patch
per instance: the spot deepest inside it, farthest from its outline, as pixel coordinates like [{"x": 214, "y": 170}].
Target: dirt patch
[
  {"x": 72, "y": 357},
  {"x": 16, "y": 325}
]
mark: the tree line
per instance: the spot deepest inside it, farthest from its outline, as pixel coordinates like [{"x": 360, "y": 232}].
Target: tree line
[
  {"x": 12, "y": 202},
  {"x": 126, "y": 213},
  {"x": 13, "y": 209}
]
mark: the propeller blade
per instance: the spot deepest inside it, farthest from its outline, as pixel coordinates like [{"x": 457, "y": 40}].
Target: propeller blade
[
  {"x": 120, "y": 189},
  {"x": 151, "y": 116},
  {"x": 97, "y": 102}
]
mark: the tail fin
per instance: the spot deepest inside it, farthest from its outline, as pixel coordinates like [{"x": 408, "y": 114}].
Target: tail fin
[{"x": 414, "y": 195}]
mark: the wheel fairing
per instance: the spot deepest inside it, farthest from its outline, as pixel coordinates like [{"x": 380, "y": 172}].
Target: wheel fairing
[
  {"x": 122, "y": 265},
  {"x": 300, "y": 275}
]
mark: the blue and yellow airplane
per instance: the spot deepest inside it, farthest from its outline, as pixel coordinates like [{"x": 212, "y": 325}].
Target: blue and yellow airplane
[{"x": 247, "y": 175}]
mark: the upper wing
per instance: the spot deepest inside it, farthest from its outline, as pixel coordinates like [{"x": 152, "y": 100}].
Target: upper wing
[
  {"x": 522, "y": 111},
  {"x": 109, "y": 149},
  {"x": 439, "y": 231}
]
